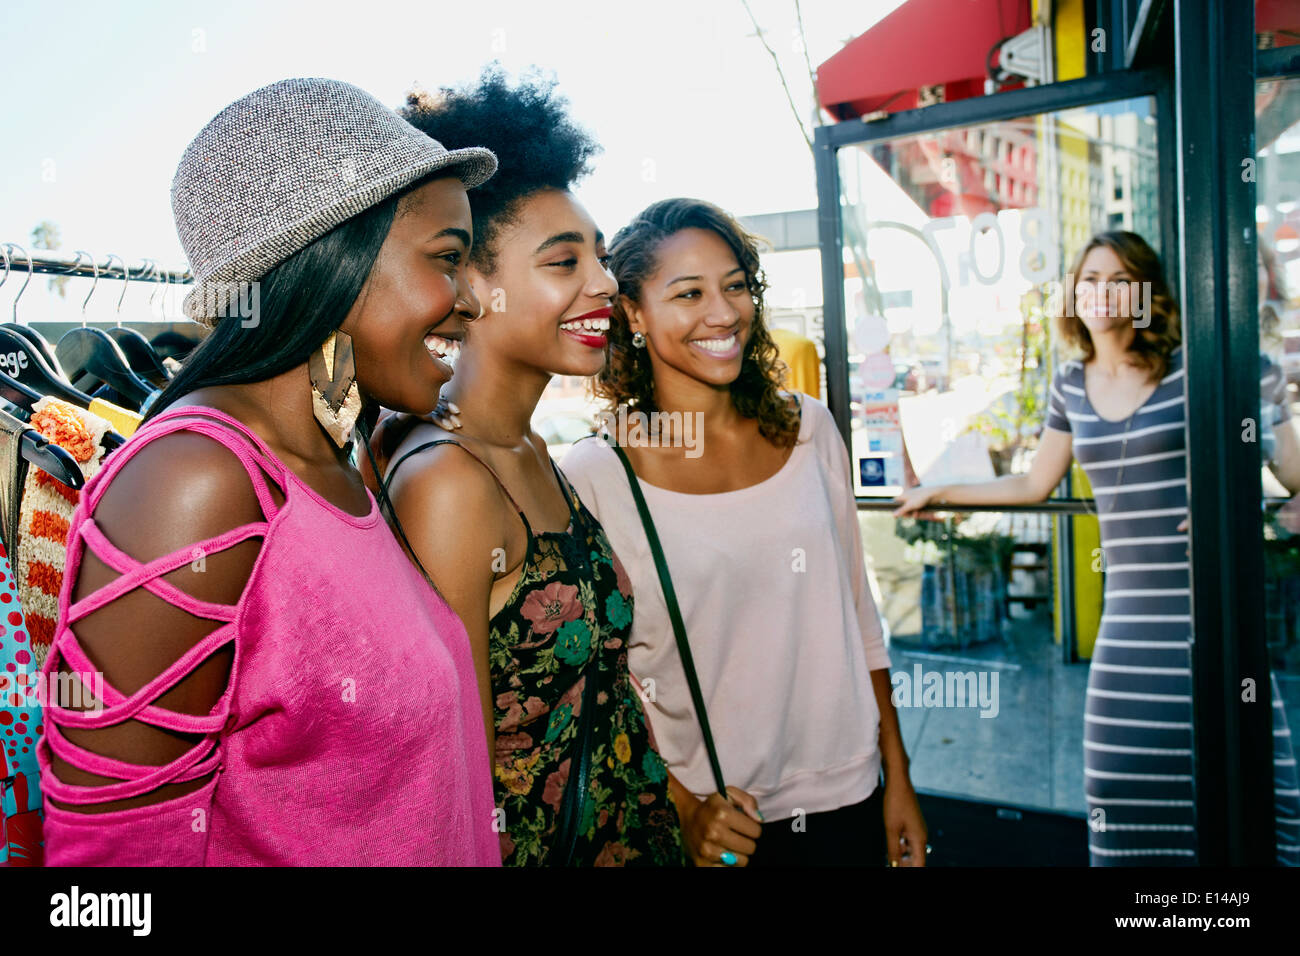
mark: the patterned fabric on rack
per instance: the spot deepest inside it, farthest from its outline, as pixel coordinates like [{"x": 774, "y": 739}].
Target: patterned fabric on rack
[
  {"x": 21, "y": 838},
  {"x": 45, "y": 512}
]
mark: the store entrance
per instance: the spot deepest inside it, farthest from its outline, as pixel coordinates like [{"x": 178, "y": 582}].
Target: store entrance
[{"x": 954, "y": 245}]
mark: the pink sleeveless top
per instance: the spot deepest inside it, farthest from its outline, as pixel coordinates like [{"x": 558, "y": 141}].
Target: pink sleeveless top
[{"x": 351, "y": 731}]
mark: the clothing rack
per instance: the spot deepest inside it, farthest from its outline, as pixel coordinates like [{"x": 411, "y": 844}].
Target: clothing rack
[{"x": 16, "y": 258}]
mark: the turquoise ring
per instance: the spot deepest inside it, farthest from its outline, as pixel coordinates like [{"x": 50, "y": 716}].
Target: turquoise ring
[{"x": 728, "y": 858}]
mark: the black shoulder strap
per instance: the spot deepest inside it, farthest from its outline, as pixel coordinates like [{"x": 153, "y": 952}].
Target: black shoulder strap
[
  {"x": 388, "y": 479},
  {"x": 674, "y": 615}
]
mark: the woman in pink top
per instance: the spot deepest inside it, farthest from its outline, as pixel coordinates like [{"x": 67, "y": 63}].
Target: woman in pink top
[
  {"x": 281, "y": 686},
  {"x": 749, "y": 491}
]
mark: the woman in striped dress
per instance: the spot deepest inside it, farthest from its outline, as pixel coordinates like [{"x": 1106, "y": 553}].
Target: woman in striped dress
[{"x": 1120, "y": 410}]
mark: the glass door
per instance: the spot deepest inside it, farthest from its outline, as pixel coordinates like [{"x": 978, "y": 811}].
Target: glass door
[
  {"x": 1277, "y": 430},
  {"x": 957, "y": 251}
]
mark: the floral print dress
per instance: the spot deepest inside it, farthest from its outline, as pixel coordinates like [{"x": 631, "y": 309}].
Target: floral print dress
[{"x": 566, "y": 622}]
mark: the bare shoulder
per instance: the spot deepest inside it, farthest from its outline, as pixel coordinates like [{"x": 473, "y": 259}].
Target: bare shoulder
[
  {"x": 444, "y": 486},
  {"x": 178, "y": 489}
]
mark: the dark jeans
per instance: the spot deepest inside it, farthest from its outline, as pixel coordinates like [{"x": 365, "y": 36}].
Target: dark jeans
[{"x": 849, "y": 836}]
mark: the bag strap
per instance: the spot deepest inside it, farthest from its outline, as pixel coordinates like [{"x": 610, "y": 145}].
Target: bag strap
[{"x": 674, "y": 615}]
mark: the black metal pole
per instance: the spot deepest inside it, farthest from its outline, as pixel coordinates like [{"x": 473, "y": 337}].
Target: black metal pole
[
  {"x": 831, "y": 239},
  {"x": 1214, "y": 99}
]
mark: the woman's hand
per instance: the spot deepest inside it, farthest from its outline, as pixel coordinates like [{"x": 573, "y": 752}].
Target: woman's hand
[
  {"x": 716, "y": 825},
  {"x": 905, "y": 832},
  {"x": 914, "y": 500}
]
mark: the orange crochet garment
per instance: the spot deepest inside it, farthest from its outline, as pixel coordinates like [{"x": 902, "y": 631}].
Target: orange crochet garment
[{"x": 45, "y": 512}]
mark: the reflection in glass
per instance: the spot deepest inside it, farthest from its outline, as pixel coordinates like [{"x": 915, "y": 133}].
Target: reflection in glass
[
  {"x": 1277, "y": 137},
  {"x": 963, "y": 244}
]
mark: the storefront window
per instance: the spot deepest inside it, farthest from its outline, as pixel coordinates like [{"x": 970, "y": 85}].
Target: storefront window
[{"x": 956, "y": 248}]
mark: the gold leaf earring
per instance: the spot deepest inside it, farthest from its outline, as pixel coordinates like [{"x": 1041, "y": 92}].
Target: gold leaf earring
[{"x": 335, "y": 397}]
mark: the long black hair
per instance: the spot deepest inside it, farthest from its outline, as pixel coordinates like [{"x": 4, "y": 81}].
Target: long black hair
[{"x": 301, "y": 302}]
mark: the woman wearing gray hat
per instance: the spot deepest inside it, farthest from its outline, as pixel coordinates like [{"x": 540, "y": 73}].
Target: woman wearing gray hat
[
  {"x": 280, "y": 684},
  {"x": 546, "y": 602}
]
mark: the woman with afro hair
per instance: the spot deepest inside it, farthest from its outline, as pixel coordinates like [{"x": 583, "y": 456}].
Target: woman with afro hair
[{"x": 546, "y": 603}]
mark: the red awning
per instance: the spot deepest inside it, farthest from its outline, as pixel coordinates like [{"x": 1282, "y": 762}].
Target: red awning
[{"x": 922, "y": 43}]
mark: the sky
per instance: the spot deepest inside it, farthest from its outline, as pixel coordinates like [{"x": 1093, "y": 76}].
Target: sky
[{"x": 103, "y": 99}]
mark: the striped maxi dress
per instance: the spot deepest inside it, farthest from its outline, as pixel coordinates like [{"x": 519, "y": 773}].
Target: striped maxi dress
[{"x": 1137, "y": 734}]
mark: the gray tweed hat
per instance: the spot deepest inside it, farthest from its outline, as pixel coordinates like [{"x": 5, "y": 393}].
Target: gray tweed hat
[{"x": 282, "y": 166}]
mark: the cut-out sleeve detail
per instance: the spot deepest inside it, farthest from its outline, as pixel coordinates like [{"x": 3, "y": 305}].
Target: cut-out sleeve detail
[{"x": 156, "y": 825}]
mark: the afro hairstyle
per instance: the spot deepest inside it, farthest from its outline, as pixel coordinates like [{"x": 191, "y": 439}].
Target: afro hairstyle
[{"x": 538, "y": 146}]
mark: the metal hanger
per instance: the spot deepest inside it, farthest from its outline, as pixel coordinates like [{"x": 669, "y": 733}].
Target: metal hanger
[
  {"x": 23, "y": 360},
  {"x": 92, "y": 358},
  {"x": 35, "y": 448},
  {"x": 144, "y": 361},
  {"x": 37, "y": 340}
]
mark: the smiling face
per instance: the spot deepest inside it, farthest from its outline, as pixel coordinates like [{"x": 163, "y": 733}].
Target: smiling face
[
  {"x": 418, "y": 284},
  {"x": 1103, "y": 294},
  {"x": 696, "y": 310},
  {"x": 547, "y": 302}
]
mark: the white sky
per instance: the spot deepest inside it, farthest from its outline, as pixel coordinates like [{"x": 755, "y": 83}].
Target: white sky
[{"x": 103, "y": 99}]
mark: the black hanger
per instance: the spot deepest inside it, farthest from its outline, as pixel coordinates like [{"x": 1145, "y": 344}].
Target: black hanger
[
  {"x": 35, "y": 338},
  {"x": 38, "y": 343},
  {"x": 51, "y": 458},
  {"x": 92, "y": 359},
  {"x": 35, "y": 448},
  {"x": 144, "y": 361},
  {"x": 17, "y": 394},
  {"x": 20, "y": 360},
  {"x": 140, "y": 356},
  {"x": 25, "y": 397}
]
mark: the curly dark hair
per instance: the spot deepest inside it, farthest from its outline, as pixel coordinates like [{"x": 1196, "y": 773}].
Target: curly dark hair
[
  {"x": 538, "y": 146},
  {"x": 627, "y": 377},
  {"x": 1151, "y": 346}
]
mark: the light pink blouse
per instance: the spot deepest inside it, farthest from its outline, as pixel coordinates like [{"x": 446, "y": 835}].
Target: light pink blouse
[{"x": 772, "y": 585}]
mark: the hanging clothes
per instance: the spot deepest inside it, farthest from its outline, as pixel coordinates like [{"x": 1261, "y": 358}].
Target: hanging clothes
[
  {"x": 13, "y": 472},
  {"x": 21, "y": 817},
  {"x": 123, "y": 420},
  {"x": 45, "y": 511},
  {"x": 20, "y": 719},
  {"x": 799, "y": 353}
]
